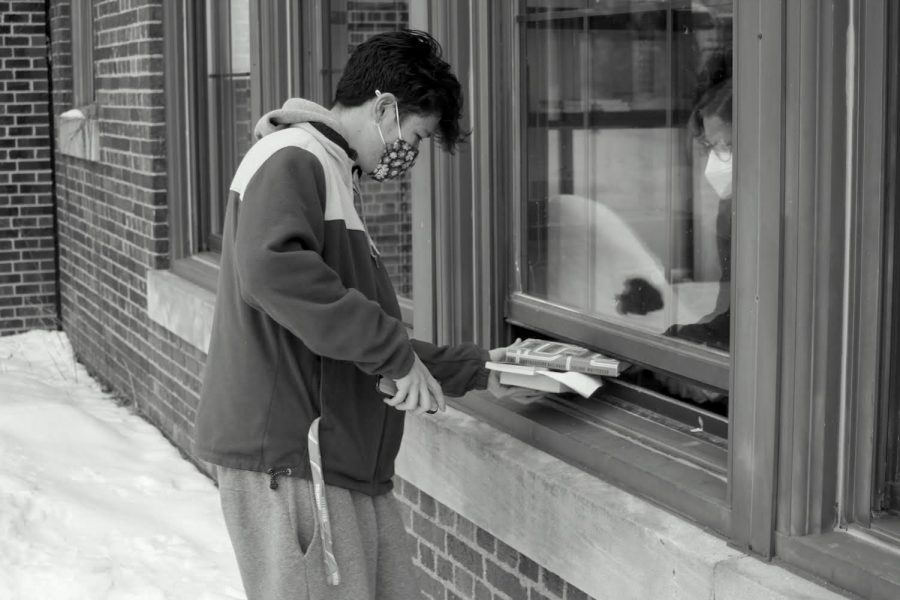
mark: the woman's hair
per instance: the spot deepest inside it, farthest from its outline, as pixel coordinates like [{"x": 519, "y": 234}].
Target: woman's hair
[
  {"x": 715, "y": 97},
  {"x": 407, "y": 64}
]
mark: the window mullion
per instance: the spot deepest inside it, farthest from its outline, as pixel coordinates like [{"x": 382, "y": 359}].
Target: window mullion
[
  {"x": 453, "y": 202},
  {"x": 756, "y": 252},
  {"x": 865, "y": 386},
  {"x": 812, "y": 318}
]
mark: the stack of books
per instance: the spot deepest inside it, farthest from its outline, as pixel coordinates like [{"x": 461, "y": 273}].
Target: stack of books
[{"x": 555, "y": 367}]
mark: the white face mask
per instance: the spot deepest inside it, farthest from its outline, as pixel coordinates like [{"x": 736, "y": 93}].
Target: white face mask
[{"x": 718, "y": 174}]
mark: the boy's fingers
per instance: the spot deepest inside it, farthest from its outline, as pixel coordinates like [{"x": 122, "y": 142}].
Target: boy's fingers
[
  {"x": 424, "y": 400},
  {"x": 421, "y": 397},
  {"x": 399, "y": 397},
  {"x": 437, "y": 395},
  {"x": 412, "y": 398}
]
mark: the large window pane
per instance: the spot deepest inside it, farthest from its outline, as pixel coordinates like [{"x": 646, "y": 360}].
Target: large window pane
[
  {"x": 228, "y": 98},
  {"x": 627, "y": 162},
  {"x": 387, "y": 207}
]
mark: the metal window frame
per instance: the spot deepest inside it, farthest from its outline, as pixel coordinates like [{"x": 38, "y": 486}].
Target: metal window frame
[
  {"x": 82, "y": 22},
  {"x": 888, "y": 466},
  {"x": 757, "y": 247},
  {"x": 868, "y": 497},
  {"x": 870, "y": 270},
  {"x": 185, "y": 128},
  {"x": 815, "y": 146},
  {"x": 420, "y": 312},
  {"x": 275, "y": 25},
  {"x": 453, "y": 200},
  {"x": 833, "y": 300},
  {"x": 272, "y": 68},
  {"x": 473, "y": 235},
  {"x": 212, "y": 208},
  {"x": 314, "y": 29},
  {"x": 705, "y": 365},
  {"x": 276, "y": 74}
]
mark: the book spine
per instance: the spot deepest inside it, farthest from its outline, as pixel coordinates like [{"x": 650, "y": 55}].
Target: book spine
[{"x": 562, "y": 363}]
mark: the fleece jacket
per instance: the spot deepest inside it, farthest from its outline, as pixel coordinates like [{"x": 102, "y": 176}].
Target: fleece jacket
[{"x": 306, "y": 318}]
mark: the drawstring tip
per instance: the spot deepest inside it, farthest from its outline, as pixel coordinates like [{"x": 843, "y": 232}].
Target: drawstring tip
[{"x": 275, "y": 474}]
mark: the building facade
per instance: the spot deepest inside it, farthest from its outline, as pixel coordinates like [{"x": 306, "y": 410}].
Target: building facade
[
  {"x": 27, "y": 246},
  {"x": 705, "y": 190}
]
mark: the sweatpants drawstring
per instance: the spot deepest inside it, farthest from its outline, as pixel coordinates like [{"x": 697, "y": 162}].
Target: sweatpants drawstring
[
  {"x": 332, "y": 573},
  {"x": 276, "y": 473}
]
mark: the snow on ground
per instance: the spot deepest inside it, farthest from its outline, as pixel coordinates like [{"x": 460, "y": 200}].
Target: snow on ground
[{"x": 94, "y": 502}]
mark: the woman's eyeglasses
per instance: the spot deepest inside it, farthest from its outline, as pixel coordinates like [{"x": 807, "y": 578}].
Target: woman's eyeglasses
[{"x": 721, "y": 149}]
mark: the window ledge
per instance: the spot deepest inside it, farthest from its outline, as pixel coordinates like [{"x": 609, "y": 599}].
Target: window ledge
[
  {"x": 181, "y": 306},
  {"x": 607, "y": 542},
  {"x": 645, "y": 457},
  {"x": 78, "y": 133}
]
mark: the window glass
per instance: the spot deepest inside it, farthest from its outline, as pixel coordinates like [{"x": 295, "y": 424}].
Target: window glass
[
  {"x": 386, "y": 207},
  {"x": 229, "y": 102},
  {"x": 627, "y": 162}
]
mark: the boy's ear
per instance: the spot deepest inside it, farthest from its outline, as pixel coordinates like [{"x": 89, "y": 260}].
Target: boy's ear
[{"x": 384, "y": 103}]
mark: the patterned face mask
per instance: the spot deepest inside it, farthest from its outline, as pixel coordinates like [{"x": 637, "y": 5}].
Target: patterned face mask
[{"x": 397, "y": 157}]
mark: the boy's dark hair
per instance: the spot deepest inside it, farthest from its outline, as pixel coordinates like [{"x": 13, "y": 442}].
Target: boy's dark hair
[{"x": 407, "y": 64}]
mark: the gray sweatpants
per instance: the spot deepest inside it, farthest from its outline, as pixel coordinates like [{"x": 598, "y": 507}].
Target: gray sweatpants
[{"x": 276, "y": 539}]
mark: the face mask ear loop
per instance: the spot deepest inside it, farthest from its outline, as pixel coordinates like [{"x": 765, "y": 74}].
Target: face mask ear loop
[
  {"x": 397, "y": 112},
  {"x": 377, "y": 126}
]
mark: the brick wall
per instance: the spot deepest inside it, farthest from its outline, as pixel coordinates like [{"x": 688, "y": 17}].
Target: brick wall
[
  {"x": 113, "y": 217},
  {"x": 387, "y": 208},
  {"x": 458, "y": 560},
  {"x": 243, "y": 117},
  {"x": 27, "y": 263},
  {"x": 387, "y": 211},
  {"x": 365, "y": 18}
]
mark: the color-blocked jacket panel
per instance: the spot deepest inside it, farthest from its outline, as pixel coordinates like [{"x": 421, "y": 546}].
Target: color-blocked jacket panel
[{"x": 337, "y": 177}]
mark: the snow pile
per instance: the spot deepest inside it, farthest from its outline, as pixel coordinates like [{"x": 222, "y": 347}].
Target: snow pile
[{"x": 94, "y": 502}]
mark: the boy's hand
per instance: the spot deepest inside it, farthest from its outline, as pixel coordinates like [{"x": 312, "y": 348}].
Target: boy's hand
[{"x": 418, "y": 391}]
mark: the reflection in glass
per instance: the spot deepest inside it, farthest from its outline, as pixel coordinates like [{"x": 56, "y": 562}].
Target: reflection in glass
[{"x": 627, "y": 174}]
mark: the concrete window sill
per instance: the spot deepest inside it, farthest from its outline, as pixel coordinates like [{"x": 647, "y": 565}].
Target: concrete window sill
[
  {"x": 78, "y": 133},
  {"x": 182, "y": 306},
  {"x": 605, "y": 541}
]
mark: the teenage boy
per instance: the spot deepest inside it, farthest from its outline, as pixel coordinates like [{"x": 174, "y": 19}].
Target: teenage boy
[{"x": 307, "y": 321}]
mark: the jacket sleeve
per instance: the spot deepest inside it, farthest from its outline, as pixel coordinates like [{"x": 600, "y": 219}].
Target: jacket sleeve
[
  {"x": 280, "y": 269},
  {"x": 458, "y": 368}
]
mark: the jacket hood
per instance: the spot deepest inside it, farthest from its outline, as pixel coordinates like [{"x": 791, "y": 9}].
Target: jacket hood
[{"x": 295, "y": 111}]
